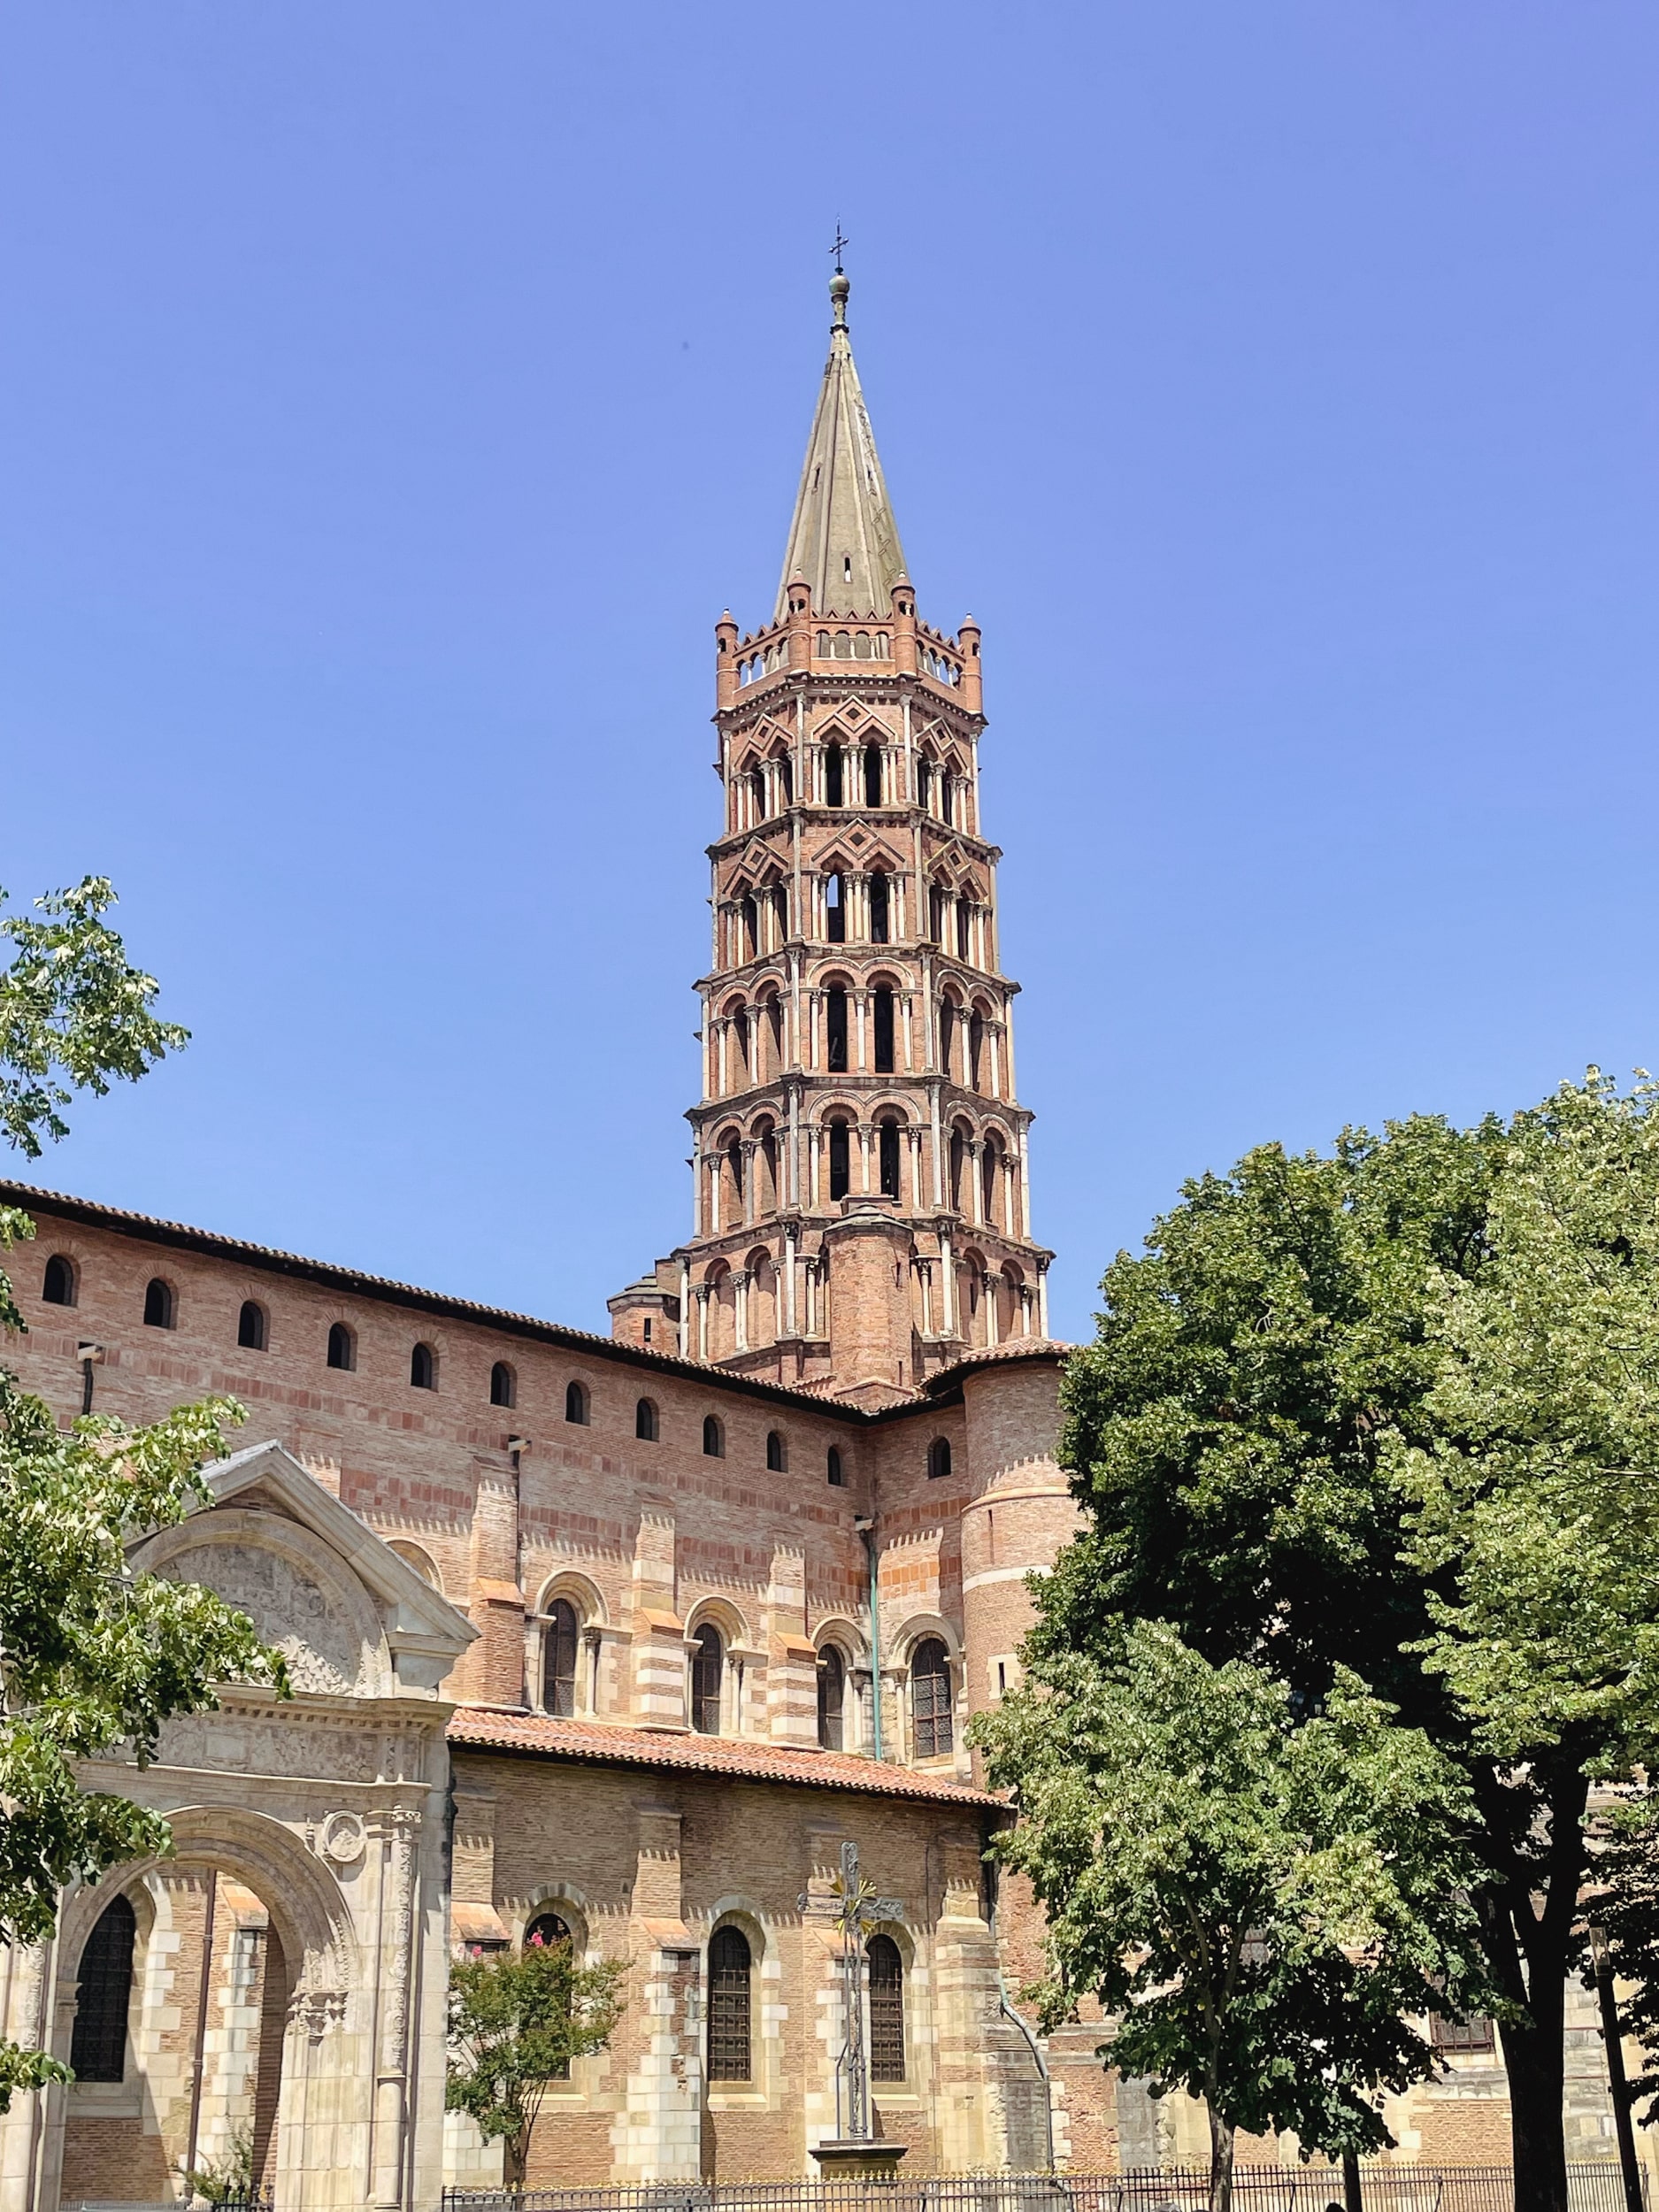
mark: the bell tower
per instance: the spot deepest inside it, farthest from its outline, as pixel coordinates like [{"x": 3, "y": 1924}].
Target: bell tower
[{"x": 861, "y": 1210}]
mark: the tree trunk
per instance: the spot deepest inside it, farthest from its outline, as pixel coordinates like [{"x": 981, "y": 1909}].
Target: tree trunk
[
  {"x": 1533, "y": 2055},
  {"x": 1352, "y": 2198},
  {"x": 1220, "y": 2163},
  {"x": 515, "y": 2148}
]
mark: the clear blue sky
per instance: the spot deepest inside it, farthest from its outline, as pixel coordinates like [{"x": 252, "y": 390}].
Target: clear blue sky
[{"x": 394, "y": 393}]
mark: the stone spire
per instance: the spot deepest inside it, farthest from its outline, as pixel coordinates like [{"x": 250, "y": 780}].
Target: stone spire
[{"x": 844, "y": 542}]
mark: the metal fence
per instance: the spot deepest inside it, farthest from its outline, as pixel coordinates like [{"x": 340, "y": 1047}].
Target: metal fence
[{"x": 1385, "y": 2188}]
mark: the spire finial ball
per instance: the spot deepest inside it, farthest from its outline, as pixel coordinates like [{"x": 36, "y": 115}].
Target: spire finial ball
[{"x": 840, "y": 285}]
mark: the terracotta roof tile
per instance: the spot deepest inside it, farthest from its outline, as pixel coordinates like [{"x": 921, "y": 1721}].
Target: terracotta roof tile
[{"x": 482, "y": 1728}]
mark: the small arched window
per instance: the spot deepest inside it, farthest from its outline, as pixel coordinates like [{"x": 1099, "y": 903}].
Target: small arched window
[
  {"x": 880, "y": 903},
  {"x": 423, "y": 1368},
  {"x": 729, "y": 1970},
  {"x": 559, "y": 1660},
  {"x": 835, "y": 1029},
  {"x": 937, "y": 1458},
  {"x": 576, "y": 1404},
  {"x": 777, "y": 1459},
  {"x": 549, "y": 1931},
  {"x": 832, "y": 1697},
  {"x": 839, "y": 1160},
  {"x": 645, "y": 1421},
  {"x": 503, "y": 1385},
  {"x": 343, "y": 1347},
  {"x": 881, "y": 1007},
  {"x": 832, "y": 777},
  {"x": 250, "y": 1325},
  {"x": 835, "y": 911},
  {"x": 887, "y": 2010},
  {"x": 872, "y": 775},
  {"x": 57, "y": 1285},
  {"x": 157, "y": 1304},
  {"x": 887, "y": 1145},
  {"x": 97, "y": 2047},
  {"x": 837, "y": 1473},
  {"x": 930, "y": 1700},
  {"x": 713, "y": 1438},
  {"x": 708, "y": 1667}
]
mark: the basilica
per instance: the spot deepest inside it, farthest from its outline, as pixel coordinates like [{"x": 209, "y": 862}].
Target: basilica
[{"x": 625, "y": 1638}]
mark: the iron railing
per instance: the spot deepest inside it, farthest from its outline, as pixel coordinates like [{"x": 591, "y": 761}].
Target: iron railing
[{"x": 1385, "y": 2188}]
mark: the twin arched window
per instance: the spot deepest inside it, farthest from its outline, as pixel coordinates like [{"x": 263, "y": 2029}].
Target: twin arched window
[
  {"x": 250, "y": 1325},
  {"x": 713, "y": 1438},
  {"x": 98, "y": 2048},
  {"x": 559, "y": 1660},
  {"x": 730, "y": 1968},
  {"x": 503, "y": 1385},
  {"x": 57, "y": 1285},
  {"x": 423, "y": 1368},
  {"x": 930, "y": 1700},
  {"x": 645, "y": 1422},
  {"x": 157, "y": 1304},
  {"x": 707, "y": 1671},
  {"x": 343, "y": 1347},
  {"x": 576, "y": 1404}
]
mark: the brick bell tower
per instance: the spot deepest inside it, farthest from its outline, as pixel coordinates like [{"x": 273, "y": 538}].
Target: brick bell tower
[{"x": 861, "y": 1193}]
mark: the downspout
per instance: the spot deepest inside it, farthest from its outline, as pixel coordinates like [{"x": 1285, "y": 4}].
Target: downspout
[
  {"x": 867, "y": 1530},
  {"x": 1020, "y": 2022}
]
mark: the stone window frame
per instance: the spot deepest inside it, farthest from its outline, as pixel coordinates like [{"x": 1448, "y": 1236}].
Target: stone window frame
[{"x": 587, "y": 1599}]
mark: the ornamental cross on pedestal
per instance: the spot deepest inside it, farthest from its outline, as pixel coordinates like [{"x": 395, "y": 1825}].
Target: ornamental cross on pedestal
[{"x": 854, "y": 1906}]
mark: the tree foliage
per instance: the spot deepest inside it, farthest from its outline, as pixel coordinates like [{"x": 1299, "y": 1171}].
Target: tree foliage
[
  {"x": 1257, "y": 1895},
  {"x": 94, "y": 1655},
  {"x": 1393, "y": 1411},
  {"x": 517, "y": 2020}
]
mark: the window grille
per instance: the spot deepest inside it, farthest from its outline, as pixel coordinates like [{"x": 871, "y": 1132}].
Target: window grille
[
  {"x": 832, "y": 1697},
  {"x": 887, "y": 2010},
  {"x": 558, "y": 1678},
  {"x": 97, "y": 2049},
  {"x": 930, "y": 1700},
  {"x": 707, "y": 1663},
  {"x": 728, "y": 2006},
  {"x": 1475, "y": 2034}
]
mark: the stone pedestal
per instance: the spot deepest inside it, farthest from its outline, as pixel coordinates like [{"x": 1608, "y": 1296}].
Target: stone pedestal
[{"x": 861, "y": 2161}]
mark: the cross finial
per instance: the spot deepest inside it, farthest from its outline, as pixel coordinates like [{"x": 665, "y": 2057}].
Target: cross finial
[{"x": 839, "y": 247}]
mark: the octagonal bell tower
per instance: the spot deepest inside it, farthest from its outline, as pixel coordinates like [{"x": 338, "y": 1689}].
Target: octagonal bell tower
[{"x": 861, "y": 1198}]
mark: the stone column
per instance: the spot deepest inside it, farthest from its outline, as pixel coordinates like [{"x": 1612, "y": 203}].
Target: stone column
[
  {"x": 788, "y": 1281},
  {"x": 746, "y": 1153},
  {"x": 739, "y": 1309},
  {"x": 398, "y": 1834}
]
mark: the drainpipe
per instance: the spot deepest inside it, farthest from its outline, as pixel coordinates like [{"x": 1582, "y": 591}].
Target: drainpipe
[
  {"x": 1023, "y": 2024},
  {"x": 867, "y": 1530}
]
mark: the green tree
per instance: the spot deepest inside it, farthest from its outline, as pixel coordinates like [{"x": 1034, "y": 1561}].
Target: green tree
[
  {"x": 93, "y": 1654},
  {"x": 517, "y": 2020},
  {"x": 1387, "y": 1411},
  {"x": 1257, "y": 1895}
]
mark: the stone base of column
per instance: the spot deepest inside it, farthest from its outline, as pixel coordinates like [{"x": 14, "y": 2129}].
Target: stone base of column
[{"x": 862, "y": 2161}]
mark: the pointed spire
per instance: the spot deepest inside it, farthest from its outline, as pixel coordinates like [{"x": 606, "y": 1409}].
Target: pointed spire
[{"x": 844, "y": 542}]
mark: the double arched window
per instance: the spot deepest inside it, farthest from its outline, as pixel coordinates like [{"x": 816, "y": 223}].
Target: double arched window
[
  {"x": 250, "y": 1325},
  {"x": 930, "y": 1700},
  {"x": 832, "y": 1697},
  {"x": 559, "y": 1660},
  {"x": 731, "y": 1968},
  {"x": 98, "y": 2048},
  {"x": 57, "y": 1285},
  {"x": 707, "y": 1672}
]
